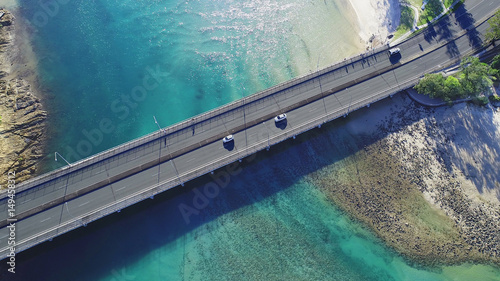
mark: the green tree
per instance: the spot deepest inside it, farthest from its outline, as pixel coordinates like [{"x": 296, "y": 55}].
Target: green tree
[
  {"x": 495, "y": 63},
  {"x": 476, "y": 76},
  {"x": 453, "y": 88},
  {"x": 433, "y": 85},
  {"x": 493, "y": 32}
]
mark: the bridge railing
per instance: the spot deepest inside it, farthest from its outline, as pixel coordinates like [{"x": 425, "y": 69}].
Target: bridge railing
[
  {"x": 163, "y": 186},
  {"x": 193, "y": 121}
]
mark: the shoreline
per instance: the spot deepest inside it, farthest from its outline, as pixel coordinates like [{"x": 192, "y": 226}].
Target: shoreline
[
  {"x": 411, "y": 141},
  {"x": 376, "y": 20},
  {"x": 418, "y": 180},
  {"x": 22, "y": 128}
]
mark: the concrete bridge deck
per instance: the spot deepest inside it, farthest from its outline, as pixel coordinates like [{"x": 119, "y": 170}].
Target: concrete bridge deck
[{"x": 54, "y": 203}]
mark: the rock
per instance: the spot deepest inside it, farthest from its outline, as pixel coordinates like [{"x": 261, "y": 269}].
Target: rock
[{"x": 22, "y": 127}]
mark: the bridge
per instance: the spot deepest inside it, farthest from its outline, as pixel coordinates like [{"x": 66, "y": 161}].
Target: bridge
[{"x": 57, "y": 202}]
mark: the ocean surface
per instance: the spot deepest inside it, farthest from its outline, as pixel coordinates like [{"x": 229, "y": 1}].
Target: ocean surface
[{"x": 126, "y": 61}]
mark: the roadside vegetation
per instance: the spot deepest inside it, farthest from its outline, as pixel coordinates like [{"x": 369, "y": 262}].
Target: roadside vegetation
[
  {"x": 493, "y": 32},
  {"x": 432, "y": 10},
  {"x": 406, "y": 21},
  {"x": 447, "y": 3},
  {"x": 416, "y": 3},
  {"x": 473, "y": 80}
]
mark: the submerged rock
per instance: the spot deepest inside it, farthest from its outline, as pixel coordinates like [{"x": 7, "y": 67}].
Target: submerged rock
[{"x": 430, "y": 187}]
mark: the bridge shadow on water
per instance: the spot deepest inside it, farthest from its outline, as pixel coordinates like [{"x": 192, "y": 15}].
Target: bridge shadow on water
[{"x": 121, "y": 239}]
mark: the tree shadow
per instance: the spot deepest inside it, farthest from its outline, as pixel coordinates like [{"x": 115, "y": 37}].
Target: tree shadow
[
  {"x": 471, "y": 146},
  {"x": 466, "y": 21},
  {"x": 430, "y": 33},
  {"x": 445, "y": 33},
  {"x": 452, "y": 50}
]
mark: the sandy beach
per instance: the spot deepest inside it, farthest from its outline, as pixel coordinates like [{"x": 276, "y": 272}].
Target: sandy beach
[{"x": 377, "y": 19}]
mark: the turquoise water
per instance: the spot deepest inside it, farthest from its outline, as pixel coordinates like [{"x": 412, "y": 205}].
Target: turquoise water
[
  {"x": 121, "y": 62},
  {"x": 268, "y": 223}
]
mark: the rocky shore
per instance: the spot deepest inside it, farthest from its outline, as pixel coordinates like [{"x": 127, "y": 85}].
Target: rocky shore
[
  {"x": 427, "y": 183},
  {"x": 22, "y": 125}
]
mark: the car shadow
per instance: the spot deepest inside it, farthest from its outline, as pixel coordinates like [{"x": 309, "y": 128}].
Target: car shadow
[
  {"x": 395, "y": 58},
  {"x": 282, "y": 124},
  {"x": 229, "y": 145}
]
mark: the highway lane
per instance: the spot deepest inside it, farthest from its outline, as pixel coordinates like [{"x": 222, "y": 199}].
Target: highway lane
[
  {"x": 207, "y": 152},
  {"x": 338, "y": 74},
  {"x": 96, "y": 173},
  {"x": 115, "y": 165}
]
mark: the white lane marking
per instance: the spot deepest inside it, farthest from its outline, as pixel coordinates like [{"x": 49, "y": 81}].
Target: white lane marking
[
  {"x": 121, "y": 188},
  {"x": 3, "y": 237},
  {"x": 154, "y": 175},
  {"x": 84, "y": 204},
  {"x": 190, "y": 160},
  {"x": 45, "y": 219},
  {"x": 312, "y": 109}
]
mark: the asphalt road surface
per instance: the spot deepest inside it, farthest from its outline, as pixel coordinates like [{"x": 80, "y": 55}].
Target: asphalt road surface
[{"x": 68, "y": 198}]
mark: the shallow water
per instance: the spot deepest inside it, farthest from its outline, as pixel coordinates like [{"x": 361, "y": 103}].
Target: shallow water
[
  {"x": 270, "y": 222},
  {"x": 126, "y": 61}
]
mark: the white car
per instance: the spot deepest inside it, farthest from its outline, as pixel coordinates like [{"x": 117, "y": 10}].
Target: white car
[
  {"x": 227, "y": 139},
  {"x": 280, "y": 117},
  {"x": 394, "y": 51}
]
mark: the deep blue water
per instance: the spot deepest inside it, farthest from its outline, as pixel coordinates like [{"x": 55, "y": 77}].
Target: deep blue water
[{"x": 107, "y": 67}]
